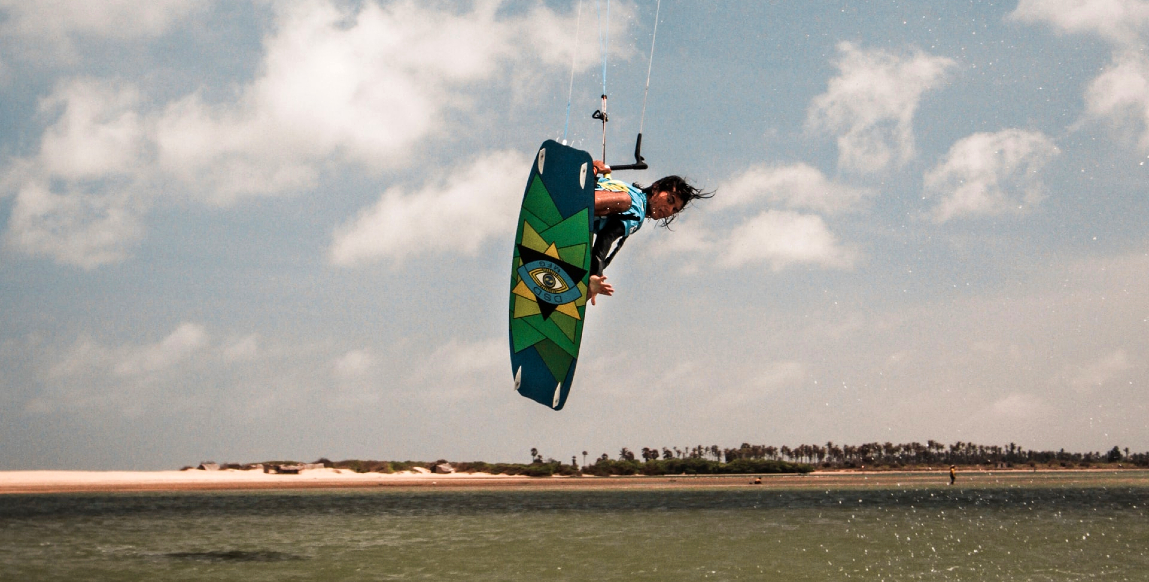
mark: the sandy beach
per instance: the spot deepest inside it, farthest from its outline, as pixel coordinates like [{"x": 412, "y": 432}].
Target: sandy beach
[
  {"x": 23, "y": 482},
  {"x": 190, "y": 480}
]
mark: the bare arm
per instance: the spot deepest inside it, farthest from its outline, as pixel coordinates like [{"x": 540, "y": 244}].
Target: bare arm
[
  {"x": 608, "y": 202},
  {"x": 605, "y": 201}
]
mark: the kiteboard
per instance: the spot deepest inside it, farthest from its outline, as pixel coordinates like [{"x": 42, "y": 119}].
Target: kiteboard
[{"x": 550, "y": 272}]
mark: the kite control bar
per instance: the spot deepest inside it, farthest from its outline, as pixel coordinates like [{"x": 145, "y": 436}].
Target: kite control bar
[{"x": 639, "y": 161}]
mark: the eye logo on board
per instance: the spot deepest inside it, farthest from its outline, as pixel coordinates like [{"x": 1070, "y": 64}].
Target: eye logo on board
[
  {"x": 549, "y": 281},
  {"x": 552, "y": 281}
]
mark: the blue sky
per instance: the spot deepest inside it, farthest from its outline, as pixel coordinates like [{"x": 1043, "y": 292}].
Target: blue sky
[{"x": 244, "y": 231}]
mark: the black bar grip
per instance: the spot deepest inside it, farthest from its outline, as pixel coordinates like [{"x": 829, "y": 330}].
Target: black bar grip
[{"x": 639, "y": 161}]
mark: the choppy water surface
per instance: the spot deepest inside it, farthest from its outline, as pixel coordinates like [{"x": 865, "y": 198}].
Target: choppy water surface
[{"x": 1080, "y": 530}]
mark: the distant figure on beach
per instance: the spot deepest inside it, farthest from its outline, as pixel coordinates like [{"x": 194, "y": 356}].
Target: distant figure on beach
[{"x": 953, "y": 474}]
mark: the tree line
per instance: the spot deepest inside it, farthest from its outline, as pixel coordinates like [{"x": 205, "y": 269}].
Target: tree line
[
  {"x": 888, "y": 454},
  {"x": 750, "y": 459}
]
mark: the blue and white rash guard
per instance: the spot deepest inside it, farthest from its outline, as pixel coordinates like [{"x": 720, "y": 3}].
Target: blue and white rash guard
[{"x": 615, "y": 227}]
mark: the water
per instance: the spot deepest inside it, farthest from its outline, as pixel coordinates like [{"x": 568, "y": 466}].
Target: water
[{"x": 1035, "y": 530}]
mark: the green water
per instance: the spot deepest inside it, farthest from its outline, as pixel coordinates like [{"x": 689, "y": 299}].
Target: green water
[{"x": 1037, "y": 532}]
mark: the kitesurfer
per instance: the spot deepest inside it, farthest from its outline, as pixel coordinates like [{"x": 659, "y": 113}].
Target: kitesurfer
[{"x": 620, "y": 210}]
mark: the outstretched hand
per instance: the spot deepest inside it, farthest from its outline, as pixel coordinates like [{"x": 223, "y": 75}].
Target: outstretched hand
[
  {"x": 600, "y": 168},
  {"x": 598, "y": 285}
]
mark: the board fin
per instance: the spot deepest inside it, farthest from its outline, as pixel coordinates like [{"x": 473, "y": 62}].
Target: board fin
[{"x": 558, "y": 395}]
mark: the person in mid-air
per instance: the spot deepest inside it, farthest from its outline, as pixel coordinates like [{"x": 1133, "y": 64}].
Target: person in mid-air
[{"x": 621, "y": 208}]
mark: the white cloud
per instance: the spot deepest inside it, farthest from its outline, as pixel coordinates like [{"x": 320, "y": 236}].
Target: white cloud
[
  {"x": 753, "y": 385},
  {"x": 354, "y": 364},
  {"x": 779, "y": 238},
  {"x": 1098, "y": 372},
  {"x": 457, "y": 213},
  {"x": 74, "y": 226},
  {"x": 870, "y": 105},
  {"x": 190, "y": 372},
  {"x": 991, "y": 173},
  {"x": 128, "y": 379},
  {"x": 243, "y": 349},
  {"x": 461, "y": 370},
  {"x": 779, "y": 374},
  {"x": 1018, "y": 407},
  {"x": 796, "y": 186},
  {"x": 1120, "y": 95},
  {"x": 339, "y": 86},
  {"x": 1119, "y": 21},
  {"x": 52, "y": 25},
  {"x": 98, "y": 132},
  {"x": 782, "y": 238},
  {"x": 187, "y": 339},
  {"x": 78, "y": 200},
  {"x": 459, "y": 358}
]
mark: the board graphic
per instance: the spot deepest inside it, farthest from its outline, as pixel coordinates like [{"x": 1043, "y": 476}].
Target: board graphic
[{"x": 550, "y": 273}]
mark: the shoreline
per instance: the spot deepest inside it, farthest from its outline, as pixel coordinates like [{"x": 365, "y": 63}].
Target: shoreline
[{"x": 46, "y": 482}]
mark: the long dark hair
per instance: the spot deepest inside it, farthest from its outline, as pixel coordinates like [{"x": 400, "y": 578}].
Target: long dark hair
[{"x": 679, "y": 187}]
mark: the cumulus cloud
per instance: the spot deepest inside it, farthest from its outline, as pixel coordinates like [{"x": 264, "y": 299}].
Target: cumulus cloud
[
  {"x": 51, "y": 25},
  {"x": 344, "y": 86},
  {"x": 338, "y": 86},
  {"x": 452, "y": 214},
  {"x": 1119, "y": 21},
  {"x": 460, "y": 369},
  {"x": 242, "y": 349},
  {"x": 755, "y": 385},
  {"x": 189, "y": 369},
  {"x": 354, "y": 364},
  {"x": 871, "y": 104},
  {"x": 781, "y": 238},
  {"x": 1120, "y": 95},
  {"x": 357, "y": 380},
  {"x": 78, "y": 199},
  {"x": 990, "y": 173},
  {"x": 460, "y": 358},
  {"x": 1018, "y": 407},
  {"x": 796, "y": 186},
  {"x": 128, "y": 379},
  {"x": 181, "y": 344},
  {"x": 1096, "y": 373}
]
